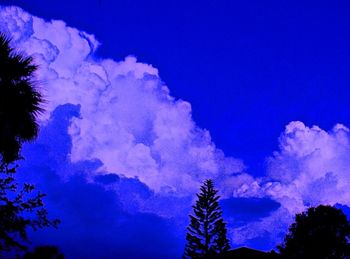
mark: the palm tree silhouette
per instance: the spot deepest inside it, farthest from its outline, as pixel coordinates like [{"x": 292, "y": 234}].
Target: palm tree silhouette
[{"x": 20, "y": 102}]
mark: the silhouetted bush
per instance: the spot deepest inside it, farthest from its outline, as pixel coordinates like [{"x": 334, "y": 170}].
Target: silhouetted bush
[{"x": 320, "y": 232}]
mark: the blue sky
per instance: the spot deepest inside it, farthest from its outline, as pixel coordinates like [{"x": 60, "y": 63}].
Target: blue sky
[
  {"x": 248, "y": 81},
  {"x": 248, "y": 68}
]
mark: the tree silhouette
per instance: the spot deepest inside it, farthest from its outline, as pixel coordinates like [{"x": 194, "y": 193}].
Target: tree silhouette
[
  {"x": 221, "y": 243},
  {"x": 321, "y": 232},
  {"x": 206, "y": 234},
  {"x": 20, "y": 103}
]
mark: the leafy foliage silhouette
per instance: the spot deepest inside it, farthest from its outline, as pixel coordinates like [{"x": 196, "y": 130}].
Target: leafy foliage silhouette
[
  {"x": 321, "y": 232},
  {"x": 206, "y": 236},
  {"x": 19, "y": 209},
  {"x": 20, "y": 103}
]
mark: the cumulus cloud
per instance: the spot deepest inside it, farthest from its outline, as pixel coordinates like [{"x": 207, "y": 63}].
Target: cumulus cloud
[
  {"x": 97, "y": 221},
  {"x": 314, "y": 164},
  {"x": 128, "y": 121},
  {"x": 117, "y": 154},
  {"x": 310, "y": 168}
]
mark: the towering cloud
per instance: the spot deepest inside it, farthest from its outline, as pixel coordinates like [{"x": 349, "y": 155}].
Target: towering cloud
[
  {"x": 128, "y": 119},
  {"x": 118, "y": 156}
]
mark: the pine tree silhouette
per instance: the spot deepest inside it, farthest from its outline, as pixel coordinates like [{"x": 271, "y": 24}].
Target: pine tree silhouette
[
  {"x": 206, "y": 234},
  {"x": 221, "y": 242}
]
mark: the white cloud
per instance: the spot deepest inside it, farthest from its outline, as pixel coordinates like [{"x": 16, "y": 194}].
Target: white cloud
[
  {"x": 312, "y": 167},
  {"x": 312, "y": 164},
  {"x": 128, "y": 118}
]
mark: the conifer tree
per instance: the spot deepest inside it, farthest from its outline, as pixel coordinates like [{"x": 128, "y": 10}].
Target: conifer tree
[
  {"x": 221, "y": 242},
  {"x": 206, "y": 234}
]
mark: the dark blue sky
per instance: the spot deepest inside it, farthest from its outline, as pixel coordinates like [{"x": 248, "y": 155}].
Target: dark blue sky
[{"x": 247, "y": 67}]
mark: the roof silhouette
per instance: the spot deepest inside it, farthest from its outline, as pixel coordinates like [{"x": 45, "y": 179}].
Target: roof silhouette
[{"x": 249, "y": 253}]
